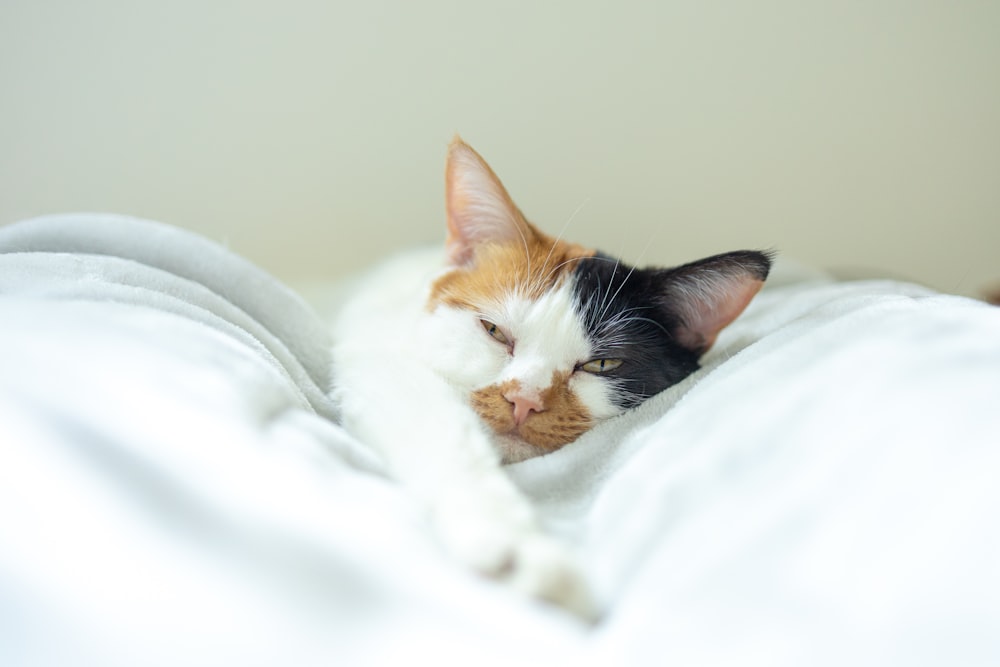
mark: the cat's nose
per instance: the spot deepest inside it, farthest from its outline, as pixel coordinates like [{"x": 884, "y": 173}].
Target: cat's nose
[{"x": 524, "y": 405}]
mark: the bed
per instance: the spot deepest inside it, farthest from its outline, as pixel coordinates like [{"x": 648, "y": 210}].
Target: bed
[{"x": 174, "y": 488}]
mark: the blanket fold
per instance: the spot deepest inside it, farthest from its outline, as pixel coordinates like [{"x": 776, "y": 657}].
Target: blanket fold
[{"x": 115, "y": 258}]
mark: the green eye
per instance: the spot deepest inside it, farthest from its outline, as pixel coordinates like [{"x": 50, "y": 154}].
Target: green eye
[
  {"x": 494, "y": 331},
  {"x": 601, "y": 365}
]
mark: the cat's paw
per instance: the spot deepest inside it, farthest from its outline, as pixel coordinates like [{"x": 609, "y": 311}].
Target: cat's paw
[
  {"x": 543, "y": 568},
  {"x": 507, "y": 547}
]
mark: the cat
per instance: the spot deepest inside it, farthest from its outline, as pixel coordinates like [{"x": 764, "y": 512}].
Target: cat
[{"x": 510, "y": 345}]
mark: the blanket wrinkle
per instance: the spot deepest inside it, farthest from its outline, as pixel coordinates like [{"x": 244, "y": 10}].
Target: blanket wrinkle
[{"x": 102, "y": 255}]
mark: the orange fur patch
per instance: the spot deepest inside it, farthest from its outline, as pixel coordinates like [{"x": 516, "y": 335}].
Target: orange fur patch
[
  {"x": 563, "y": 418},
  {"x": 528, "y": 269}
]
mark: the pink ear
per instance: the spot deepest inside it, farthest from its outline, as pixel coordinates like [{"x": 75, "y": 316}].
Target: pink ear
[
  {"x": 479, "y": 208},
  {"x": 709, "y": 294}
]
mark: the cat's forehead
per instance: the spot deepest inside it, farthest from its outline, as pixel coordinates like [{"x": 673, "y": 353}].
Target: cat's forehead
[
  {"x": 528, "y": 270},
  {"x": 550, "y": 322}
]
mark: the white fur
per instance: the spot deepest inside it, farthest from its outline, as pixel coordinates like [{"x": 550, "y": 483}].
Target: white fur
[
  {"x": 548, "y": 338},
  {"x": 402, "y": 378}
]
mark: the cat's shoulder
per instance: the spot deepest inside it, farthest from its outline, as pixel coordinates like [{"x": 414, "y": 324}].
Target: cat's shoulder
[{"x": 395, "y": 288}]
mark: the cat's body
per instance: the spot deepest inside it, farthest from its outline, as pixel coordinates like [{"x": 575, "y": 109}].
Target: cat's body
[{"x": 509, "y": 345}]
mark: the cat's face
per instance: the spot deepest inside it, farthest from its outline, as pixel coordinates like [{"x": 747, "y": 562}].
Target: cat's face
[{"x": 548, "y": 337}]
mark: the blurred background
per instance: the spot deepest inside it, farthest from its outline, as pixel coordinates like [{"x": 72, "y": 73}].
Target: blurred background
[{"x": 859, "y": 136}]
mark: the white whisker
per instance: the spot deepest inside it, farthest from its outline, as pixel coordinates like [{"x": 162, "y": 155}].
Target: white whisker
[
  {"x": 618, "y": 291},
  {"x": 562, "y": 231}
]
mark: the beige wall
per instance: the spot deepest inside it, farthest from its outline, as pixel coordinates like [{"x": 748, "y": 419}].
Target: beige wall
[{"x": 310, "y": 135}]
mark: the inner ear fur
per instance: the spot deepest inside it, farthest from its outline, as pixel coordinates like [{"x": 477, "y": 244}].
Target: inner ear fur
[
  {"x": 479, "y": 210},
  {"x": 705, "y": 296}
]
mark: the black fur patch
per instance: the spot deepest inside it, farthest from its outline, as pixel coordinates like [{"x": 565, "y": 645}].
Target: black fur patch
[
  {"x": 622, "y": 312},
  {"x": 633, "y": 314}
]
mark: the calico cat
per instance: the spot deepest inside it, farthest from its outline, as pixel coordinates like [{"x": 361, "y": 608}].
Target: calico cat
[{"x": 510, "y": 346}]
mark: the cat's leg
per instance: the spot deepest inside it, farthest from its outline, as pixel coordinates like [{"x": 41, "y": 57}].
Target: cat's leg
[{"x": 435, "y": 445}]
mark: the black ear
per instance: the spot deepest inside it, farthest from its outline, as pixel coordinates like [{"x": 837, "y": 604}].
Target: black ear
[{"x": 705, "y": 296}]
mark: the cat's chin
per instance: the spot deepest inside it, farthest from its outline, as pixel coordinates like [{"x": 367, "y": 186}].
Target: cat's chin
[{"x": 513, "y": 449}]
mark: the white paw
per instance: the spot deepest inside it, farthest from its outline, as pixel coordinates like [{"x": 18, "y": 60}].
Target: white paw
[
  {"x": 545, "y": 569},
  {"x": 505, "y": 545}
]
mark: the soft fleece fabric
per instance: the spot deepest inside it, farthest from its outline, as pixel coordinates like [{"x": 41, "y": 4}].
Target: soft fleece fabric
[{"x": 174, "y": 488}]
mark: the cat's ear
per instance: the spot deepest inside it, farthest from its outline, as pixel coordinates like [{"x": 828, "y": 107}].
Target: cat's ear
[
  {"x": 705, "y": 296},
  {"x": 478, "y": 206}
]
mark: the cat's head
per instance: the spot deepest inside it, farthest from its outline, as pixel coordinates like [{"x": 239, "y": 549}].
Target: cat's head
[{"x": 551, "y": 337}]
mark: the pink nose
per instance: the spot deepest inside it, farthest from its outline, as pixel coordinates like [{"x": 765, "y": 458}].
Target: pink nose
[{"x": 523, "y": 406}]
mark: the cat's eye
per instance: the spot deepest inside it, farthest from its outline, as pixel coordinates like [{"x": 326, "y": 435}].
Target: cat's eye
[
  {"x": 601, "y": 365},
  {"x": 494, "y": 331}
]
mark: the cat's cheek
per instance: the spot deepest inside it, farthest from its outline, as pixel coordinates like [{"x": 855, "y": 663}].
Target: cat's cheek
[
  {"x": 595, "y": 394},
  {"x": 454, "y": 346}
]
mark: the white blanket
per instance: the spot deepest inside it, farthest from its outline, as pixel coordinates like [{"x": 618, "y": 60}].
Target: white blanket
[{"x": 173, "y": 488}]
